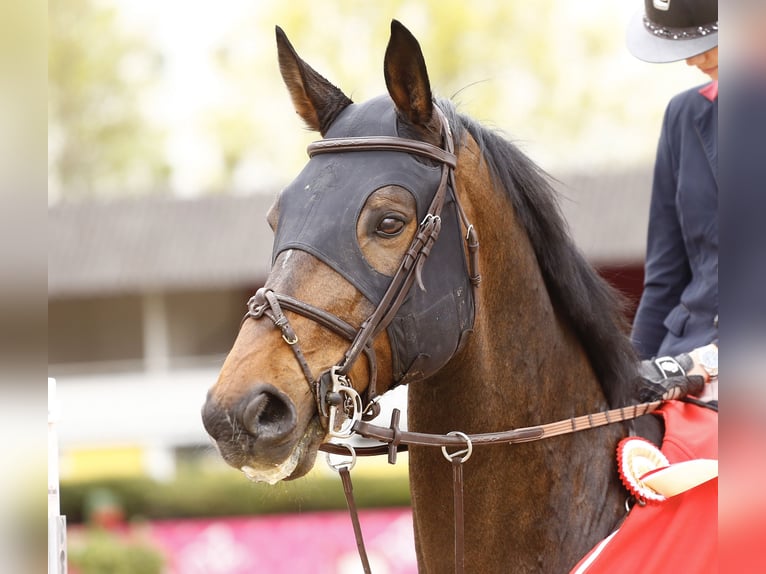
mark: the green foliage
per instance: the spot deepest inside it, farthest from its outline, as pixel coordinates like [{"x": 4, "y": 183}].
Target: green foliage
[
  {"x": 103, "y": 553},
  {"x": 230, "y": 494},
  {"x": 548, "y": 72},
  {"x": 535, "y": 69},
  {"x": 99, "y": 139}
]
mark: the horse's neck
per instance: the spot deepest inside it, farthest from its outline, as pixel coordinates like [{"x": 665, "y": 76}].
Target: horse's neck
[
  {"x": 520, "y": 350},
  {"x": 522, "y": 366}
]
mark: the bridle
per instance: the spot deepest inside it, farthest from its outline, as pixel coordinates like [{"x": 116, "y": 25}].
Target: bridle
[{"x": 332, "y": 389}]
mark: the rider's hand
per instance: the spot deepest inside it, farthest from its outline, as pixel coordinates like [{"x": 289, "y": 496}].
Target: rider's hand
[{"x": 668, "y": 377}]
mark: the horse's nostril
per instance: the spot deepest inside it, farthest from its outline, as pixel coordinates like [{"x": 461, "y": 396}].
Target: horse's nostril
[
  {"x": 264, "y": 410},
  {"x": 269, "y": 414}
]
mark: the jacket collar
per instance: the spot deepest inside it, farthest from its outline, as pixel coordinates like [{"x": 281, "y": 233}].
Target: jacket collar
[
  {"x": 706, "y": 123},
  {"x": 710, "y": 91}
]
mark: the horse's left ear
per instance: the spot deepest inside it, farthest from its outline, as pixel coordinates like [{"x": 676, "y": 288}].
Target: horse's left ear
[
  {"x": 315, "y": 99},
  {"x": 406, "y": 77}
]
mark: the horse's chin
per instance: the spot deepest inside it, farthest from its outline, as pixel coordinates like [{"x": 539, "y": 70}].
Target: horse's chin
[{"x": 300, "y": 460}]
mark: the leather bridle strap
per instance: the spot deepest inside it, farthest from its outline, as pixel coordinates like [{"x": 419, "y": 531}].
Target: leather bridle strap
[
  {"x": 457, "y": 512},
  {"x": 383, "y": 143},
  {"x": 428, "y": 231},
  {"x": 348, "y": 491},
  {"x": 267, "y": 302}
]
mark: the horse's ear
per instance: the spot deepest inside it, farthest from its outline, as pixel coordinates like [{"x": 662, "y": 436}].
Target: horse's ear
[
  {"x": 316, "y": 100},
  {"x": 406, "y": 77}
]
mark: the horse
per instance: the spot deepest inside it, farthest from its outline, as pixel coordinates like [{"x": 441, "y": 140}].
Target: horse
[{"x": 374, "y": 284}]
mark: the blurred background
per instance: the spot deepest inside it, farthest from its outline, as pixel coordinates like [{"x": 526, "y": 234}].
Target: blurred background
[{"x": 170, "y": 134}]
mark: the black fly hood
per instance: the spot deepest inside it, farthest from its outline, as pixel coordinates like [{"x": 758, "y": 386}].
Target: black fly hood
[{"x": 318, "y": 213}]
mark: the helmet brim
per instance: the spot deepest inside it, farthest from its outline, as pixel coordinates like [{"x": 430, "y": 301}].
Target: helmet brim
[{"x": 649, "y": 47}]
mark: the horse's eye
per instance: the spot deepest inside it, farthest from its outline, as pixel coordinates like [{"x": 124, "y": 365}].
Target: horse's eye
[{"x": 390, "y": 226}]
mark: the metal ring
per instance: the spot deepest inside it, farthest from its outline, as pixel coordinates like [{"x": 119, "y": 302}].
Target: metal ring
[
  {"x": 254, "y": 309},
  {"x": 340, "y": 466},
  {"x": 347, "y": 428},
  {"x": 467, "y": 451}
]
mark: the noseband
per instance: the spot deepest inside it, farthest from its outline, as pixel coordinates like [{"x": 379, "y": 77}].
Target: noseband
[{"x": 332, "y": 389}]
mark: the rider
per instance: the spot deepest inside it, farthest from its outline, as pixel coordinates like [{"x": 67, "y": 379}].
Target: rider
[
  {"x": 675, "y": 331},
  {"x": 678, "y": 310}
]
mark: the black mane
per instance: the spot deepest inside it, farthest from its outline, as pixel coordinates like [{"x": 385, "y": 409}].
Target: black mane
[{"x": 592, "y": 307}]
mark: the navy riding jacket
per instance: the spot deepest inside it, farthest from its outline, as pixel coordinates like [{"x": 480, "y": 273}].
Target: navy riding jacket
[{"x": 678, "y": 310}]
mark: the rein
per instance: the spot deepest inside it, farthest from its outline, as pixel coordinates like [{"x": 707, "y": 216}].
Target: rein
[
  {"x": 393, "y": 437},
  {"x": 395, "y": 440}
]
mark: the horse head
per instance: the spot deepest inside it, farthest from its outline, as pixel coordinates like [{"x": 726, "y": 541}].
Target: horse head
[{"x": 361, "y": 297}]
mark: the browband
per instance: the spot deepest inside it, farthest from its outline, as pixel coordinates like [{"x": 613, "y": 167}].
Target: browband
[{"x": 382, "y": 143}]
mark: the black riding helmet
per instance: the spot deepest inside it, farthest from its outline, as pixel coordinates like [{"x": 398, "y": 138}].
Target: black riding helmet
[{"x": 673, "y": 30}]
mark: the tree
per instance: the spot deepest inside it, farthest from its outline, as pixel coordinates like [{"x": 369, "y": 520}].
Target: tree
[
  {"x": 552, "y": 74},
  {"x": 100, "y": 142},
  {"x": 544, "y": 72}
]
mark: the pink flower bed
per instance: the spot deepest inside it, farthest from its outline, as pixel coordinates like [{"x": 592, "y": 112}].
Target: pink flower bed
[{"x": 312, "y": 543}]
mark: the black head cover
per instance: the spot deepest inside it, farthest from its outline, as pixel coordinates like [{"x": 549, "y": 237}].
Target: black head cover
[{"x": 318, "y": 213}]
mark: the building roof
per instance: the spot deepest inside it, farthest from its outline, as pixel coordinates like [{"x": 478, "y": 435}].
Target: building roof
[
  {"x": 608, "y": 213},
  {"x": 223, "y": 241},
  {"x": 157, "y": 244}
]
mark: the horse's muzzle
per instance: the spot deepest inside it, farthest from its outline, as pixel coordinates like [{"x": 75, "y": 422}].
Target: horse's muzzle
[{"x": 261, "y": 426}]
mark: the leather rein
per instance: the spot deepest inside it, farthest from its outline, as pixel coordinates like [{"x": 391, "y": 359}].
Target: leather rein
[
  {"x": 394, "y": 440},
  {"x": 333, "y": 390}
]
